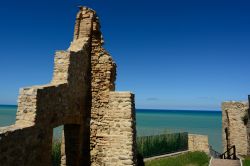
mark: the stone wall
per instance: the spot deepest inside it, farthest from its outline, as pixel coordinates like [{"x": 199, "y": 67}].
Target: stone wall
[
  {"x": 232, "y": 114},
  {"x": 198, "y": 143},
  {"x": 99, "y": 124},
  {"x": 42, "y": 108},
  {"x": 120, "y": 120},
  {"x": 103, "y": 82}
]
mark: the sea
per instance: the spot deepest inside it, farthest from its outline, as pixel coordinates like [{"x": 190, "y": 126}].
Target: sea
[{"x": 153, "y": 121}]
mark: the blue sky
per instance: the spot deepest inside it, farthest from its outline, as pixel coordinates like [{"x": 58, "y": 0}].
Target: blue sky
[{"x": 172, "y": 54}]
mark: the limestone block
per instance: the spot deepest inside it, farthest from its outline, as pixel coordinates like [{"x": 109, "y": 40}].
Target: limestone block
[{"x": 198, "y": 143}]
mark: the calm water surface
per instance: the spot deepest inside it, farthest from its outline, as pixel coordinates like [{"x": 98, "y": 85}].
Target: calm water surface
[{"x": 195, "y": 122}]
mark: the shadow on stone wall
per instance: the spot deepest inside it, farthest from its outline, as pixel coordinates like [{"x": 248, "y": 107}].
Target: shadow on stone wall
[{"x": 140, "y": 161}]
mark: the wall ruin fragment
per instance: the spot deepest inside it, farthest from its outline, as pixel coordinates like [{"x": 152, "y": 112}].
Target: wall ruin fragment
[
  {"x": 99, "y": 123},
  {"x": 238, "y": 132}
]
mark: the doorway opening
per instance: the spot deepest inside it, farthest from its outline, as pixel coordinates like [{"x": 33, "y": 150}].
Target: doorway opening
[{"x": 56, "y": 146}]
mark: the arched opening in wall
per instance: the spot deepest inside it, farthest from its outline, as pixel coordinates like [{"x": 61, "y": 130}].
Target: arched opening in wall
[{"x": 56, "y": 146}]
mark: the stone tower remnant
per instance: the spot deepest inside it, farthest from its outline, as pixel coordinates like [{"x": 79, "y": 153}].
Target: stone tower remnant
[
  {"x": 98, "y": 122},
  {"x": 233, "y": 115}
]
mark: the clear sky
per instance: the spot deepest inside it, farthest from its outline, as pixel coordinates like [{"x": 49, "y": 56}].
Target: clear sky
[{"x": 174, "y": 54}]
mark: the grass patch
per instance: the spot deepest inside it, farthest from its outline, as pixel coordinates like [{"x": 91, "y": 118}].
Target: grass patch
[
  {"x": 155, "y": 145},
  {"x": 246, "y": 161},
  {"x": 56, "y": 152},
  {"x": 187, "y": 159}
]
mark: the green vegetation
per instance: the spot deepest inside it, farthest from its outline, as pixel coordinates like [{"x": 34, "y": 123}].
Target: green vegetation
[
  {"x": 246, "y": 162},
  {"x": 187, "y": 159},
  {"x": 162, "y": 144},
  {"x": 56, "y": 152}
]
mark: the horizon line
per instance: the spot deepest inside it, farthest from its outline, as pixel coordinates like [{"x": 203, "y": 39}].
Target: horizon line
[
  {"x": 159, "y": 109},
  {"x": 167, "y": 109}
]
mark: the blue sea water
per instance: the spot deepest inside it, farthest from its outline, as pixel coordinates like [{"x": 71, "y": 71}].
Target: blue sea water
[
  {"x": 150, "y": 121},
  {"x": 169, "y": 121},
  {"x": 7, "y": 114}
]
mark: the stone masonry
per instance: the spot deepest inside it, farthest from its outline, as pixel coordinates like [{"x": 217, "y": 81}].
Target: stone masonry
[
  {"x": 238, "y": 132},
  {"x": 198, "y": 143},
  {"x": 99, "y": 123}
]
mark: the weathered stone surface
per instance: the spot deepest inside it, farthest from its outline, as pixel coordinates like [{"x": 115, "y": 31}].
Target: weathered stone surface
[
  {"x": 198, "y": 143},
  {"x": 238, "y": 133},
  {"x": 99, "y": 124},
  {"x": 42, "y": 108}
]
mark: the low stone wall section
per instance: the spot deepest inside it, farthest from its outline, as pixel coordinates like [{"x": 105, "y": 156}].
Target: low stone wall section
[{"x": 198, "y": 143}]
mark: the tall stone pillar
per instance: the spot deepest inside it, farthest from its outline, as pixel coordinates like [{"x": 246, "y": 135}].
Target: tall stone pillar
[{"x": 233, "y": 114}]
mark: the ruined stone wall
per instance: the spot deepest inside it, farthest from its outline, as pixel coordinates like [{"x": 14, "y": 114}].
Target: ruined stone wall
[
  {"x": 103, "y": 74},
  {"x": 99, "y": 124},
  {"x": 120, "y": 129},
  {"x": 232, "y": 114},
  {"x": 42, "y": 108},
  {"x": 198, "y": 143}
]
